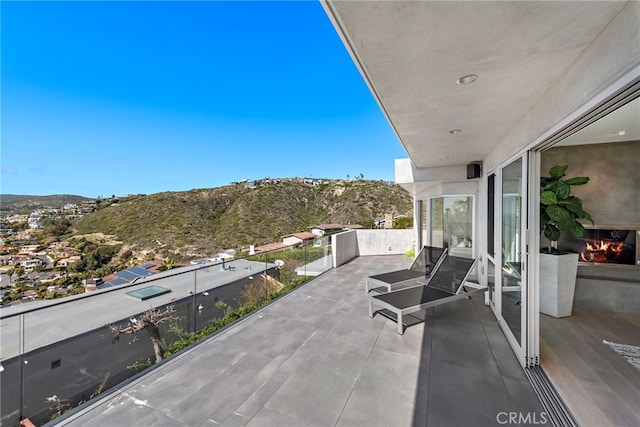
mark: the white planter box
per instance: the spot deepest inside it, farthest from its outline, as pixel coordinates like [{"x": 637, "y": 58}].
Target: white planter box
[{"x": 557, "y": 284}]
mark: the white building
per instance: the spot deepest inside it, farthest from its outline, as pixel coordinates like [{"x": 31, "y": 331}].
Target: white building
[
  {"x": 304, "y": 237},
  {"x": 30, "y": 264},
  {"x": 322, "y": 229}
]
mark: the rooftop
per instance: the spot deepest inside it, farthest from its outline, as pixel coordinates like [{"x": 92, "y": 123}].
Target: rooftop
[
  {"x": 304, "y": 235},
  {"x": 270, "y": 247},
  {"x": 45, "y": 323},
  {"x": 314, "y": 357},
  {"x": 328, "y": 226}
]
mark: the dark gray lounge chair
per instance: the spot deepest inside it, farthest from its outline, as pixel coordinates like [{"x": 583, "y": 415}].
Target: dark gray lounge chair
[
  {"x": 446, "y": 284},
  {"x": 422, "y": 266}
]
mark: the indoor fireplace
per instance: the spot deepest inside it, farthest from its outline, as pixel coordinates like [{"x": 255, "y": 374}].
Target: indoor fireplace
[{"x": 606, "y": 245}]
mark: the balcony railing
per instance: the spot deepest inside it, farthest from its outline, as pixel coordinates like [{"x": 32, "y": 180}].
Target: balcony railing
[{"x": 57, "y": 354}]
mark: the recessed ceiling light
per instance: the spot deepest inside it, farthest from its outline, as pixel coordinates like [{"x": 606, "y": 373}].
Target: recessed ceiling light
[
  {"x": 465, "y": 80},
  {"x": 454, "y": 131},
  {"x": 622, "y": 133}
]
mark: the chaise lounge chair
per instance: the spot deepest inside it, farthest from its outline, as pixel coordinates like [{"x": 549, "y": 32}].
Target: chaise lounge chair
[
  {"x": 426, "y": 262},
  {"x": 447, "y": 283}
]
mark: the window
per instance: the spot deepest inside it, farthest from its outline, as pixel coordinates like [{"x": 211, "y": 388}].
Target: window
[{"x": 452, "y": 224}]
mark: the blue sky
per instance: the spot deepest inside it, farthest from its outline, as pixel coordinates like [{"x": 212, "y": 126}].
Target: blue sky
[{"x": 102, "y": 98}]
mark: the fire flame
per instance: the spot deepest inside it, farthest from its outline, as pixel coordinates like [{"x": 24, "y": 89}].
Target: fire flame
[
  {"x": 604, "y": 246},
  {"x": 598, "y": 252}
]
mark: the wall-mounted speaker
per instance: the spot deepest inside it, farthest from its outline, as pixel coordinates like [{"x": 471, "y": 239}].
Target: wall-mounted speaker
[{"x": 473, "y": 170}]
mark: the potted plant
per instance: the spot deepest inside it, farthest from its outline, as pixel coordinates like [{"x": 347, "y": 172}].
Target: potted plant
[{"x": 559, "y": 212}]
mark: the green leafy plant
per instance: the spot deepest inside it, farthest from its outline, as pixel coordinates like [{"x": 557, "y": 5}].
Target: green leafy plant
[
  {"x": 60, "y": 406},
  {"x": 141, "y": 365},
  {"x": 559, "y": 209}
]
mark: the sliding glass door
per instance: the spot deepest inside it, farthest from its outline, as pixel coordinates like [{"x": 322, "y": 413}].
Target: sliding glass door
[
  {"x": 491, "y": 245},
  {"x": 512, "y": 251},
  {"x": 507, "y": 263}
]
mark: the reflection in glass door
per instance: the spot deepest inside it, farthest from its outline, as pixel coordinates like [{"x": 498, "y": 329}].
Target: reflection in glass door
[
  {"x": 512, "y": 275},
  {"x": 452, "y": 224}
]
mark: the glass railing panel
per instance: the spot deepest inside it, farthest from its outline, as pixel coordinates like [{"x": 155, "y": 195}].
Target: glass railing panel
[
  {"x": 220, "y": 288},
  {"x": 298, "y": 264},
  {"x": 10, "y": 337},
  {"x": 57, "y": 357},
  {"x": 321, "y": 254},
  {"x": 10, "y": 369},
  {"x": 75, "y": 349},
  {"x": 168, "y": 317},
  {"x": 58, "y": 374}
]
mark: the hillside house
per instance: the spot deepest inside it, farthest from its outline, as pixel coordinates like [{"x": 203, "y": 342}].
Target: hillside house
[
  {"x": 30, "y": 264},
  {"x": 353, "y": 227},
  {"x": 65, "y": 262},
  {"x": 312, "y": 182},
  {"x": 303, "y": 238},
  {"x": 29, "y": 294},
  {"x": 34, "y": 220},
  {"x": 12, "y": 259},
  {"x": 388, "y": 221},
  {"x": 29, "y": 249},
  {"x": 58, "y": 245},
  {"x": 268, "y": 247},
  {"x": 322, "y": 229}
]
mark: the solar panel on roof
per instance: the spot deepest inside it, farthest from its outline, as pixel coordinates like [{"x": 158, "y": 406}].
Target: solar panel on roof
[
  {"x": 127, "y": 275},
  {"x": 139, "y": 271},
  {"x": 112, "y": 283},
  {"x": 148, "y": 265}
]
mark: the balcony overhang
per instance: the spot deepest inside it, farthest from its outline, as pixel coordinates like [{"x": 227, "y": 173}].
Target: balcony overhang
[
  {"x": 434, "y": 181},
  {"x": 536, "y": 62}
]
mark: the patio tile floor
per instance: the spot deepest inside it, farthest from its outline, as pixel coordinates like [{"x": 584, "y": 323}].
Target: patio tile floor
[{"x": 315, "y": 358}]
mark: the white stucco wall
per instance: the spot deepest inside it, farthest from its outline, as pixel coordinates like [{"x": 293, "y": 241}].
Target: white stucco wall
[
  {"x": 384, "y": 242},
  {"x": 344, "y": 247},
  {"x": 351, "y": 244}
]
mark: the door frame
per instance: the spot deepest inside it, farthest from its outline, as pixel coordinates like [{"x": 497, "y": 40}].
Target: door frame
[{"x": 527, "y": 350}]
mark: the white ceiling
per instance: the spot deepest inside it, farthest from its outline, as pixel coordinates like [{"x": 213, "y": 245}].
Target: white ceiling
[
  {"x": 412, "y": 53},
  {"x": 625, "y": 119}
]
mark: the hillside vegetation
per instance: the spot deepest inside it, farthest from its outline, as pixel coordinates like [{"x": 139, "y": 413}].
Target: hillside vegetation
[
  {"x": 201, "y": 222},
  {"x": 15, "y": 204}
]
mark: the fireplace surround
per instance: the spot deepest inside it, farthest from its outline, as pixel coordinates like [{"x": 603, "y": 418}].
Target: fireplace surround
[
  {"x": 608, "y": 275},
  {"x": 605, "y": 245}
]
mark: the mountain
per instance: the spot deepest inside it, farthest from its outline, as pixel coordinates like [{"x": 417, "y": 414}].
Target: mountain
[
  {"x": 17, "y": 204},
  {"x": 198, "y": 223}
]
